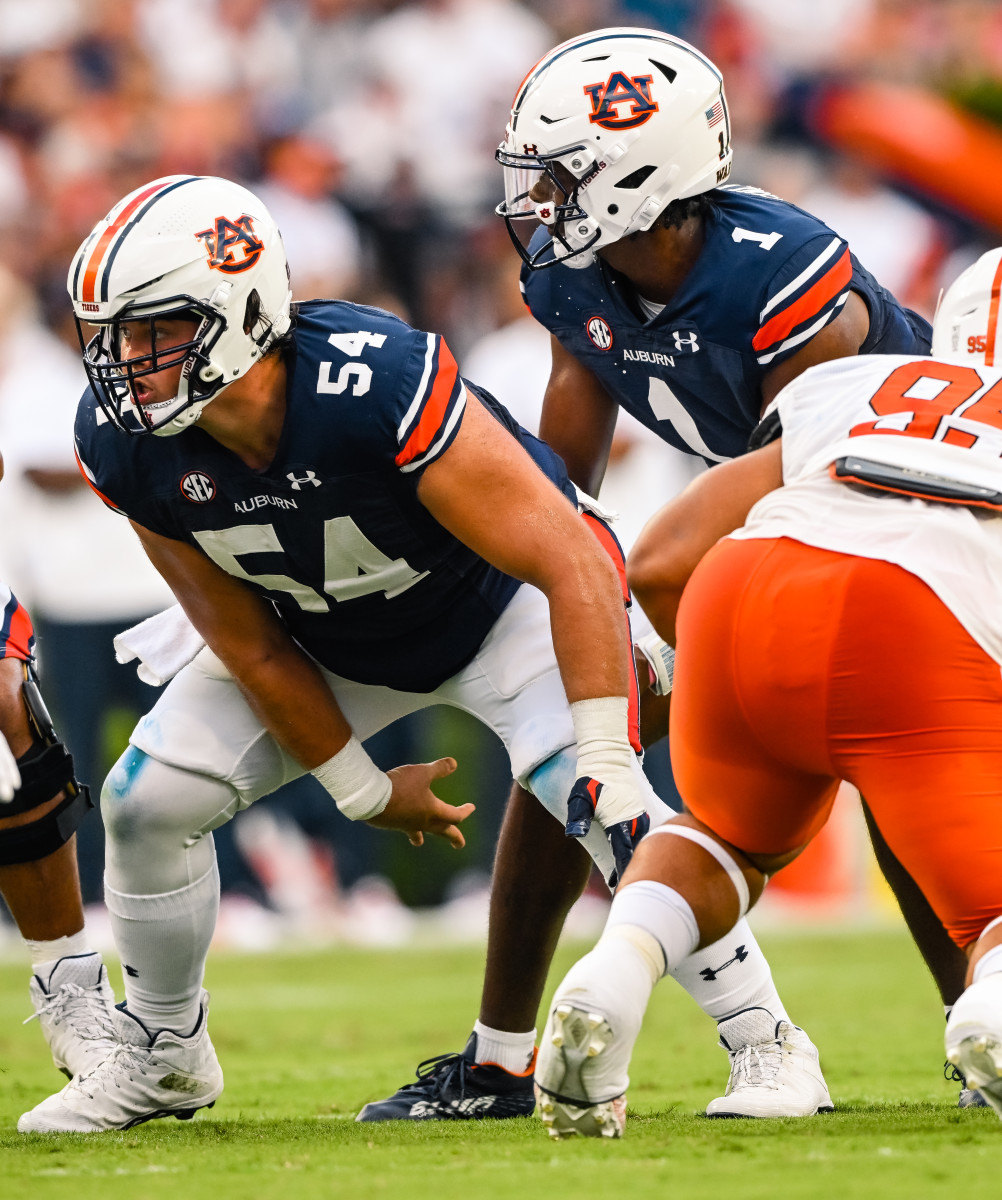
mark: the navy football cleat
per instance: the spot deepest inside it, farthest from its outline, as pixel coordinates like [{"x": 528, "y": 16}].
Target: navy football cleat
[{"x": 452, "y": 1087}]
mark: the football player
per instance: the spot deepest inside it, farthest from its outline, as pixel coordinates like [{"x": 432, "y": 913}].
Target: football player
[
  {"x": 868, "y": 524},
  {"x": 41, "y": 806},
  {"x": 353, "y": 533},
  {"x": 689, "y": 303}
]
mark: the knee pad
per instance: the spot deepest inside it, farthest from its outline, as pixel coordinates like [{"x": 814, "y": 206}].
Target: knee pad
[{"x": 46, "y": 770}]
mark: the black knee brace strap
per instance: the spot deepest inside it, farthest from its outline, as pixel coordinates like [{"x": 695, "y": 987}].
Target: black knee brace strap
[{"x": 45, "y": 771}]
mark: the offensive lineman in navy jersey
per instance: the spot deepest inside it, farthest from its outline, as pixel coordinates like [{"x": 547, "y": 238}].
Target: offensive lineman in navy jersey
[
  {"x": 690, "y": 304},
  {"x": 345, "y": 524}
]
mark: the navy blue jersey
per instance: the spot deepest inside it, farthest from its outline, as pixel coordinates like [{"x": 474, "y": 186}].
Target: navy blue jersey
[
  {"x": 768, "y": 278},
  {"x": 332, "y": 532}
]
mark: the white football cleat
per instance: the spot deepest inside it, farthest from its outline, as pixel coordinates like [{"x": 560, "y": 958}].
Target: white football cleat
[
  {"x": 974, "y": 1038},
  {"x": 75, "y": 1008},
  {"x": 143, "y": 1077},
  {"x": 774, "y": 1069},
  {"x": 570, "y": 1100}
]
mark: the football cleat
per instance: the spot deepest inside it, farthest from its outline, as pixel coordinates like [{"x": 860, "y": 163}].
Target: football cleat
[
  {"x": 775, "y": 1070},
  {"x": 145, "y": 1076},
  {"x": 453, "y": 1087},
  {"x": 570, "y": 1101},
  {"x": 974, "y": 1038},
  {"x": 969, "y": 1097},
  {"x": 75, "y": 1007}
]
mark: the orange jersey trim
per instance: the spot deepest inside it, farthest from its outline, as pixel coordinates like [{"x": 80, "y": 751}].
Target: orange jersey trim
[
  {"x": 434, "y": 410},
  {"x": 809, "y": 304}
]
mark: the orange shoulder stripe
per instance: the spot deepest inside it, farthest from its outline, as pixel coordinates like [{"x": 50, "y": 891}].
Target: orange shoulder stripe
[
  {"x": 434, "y": 409},
  {"x": 810, "y": 304}
]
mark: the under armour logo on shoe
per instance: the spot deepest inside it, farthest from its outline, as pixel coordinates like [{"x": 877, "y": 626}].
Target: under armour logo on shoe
[
  {"x": 711, "y": 973},
  {"x": 297, "y": 482}
]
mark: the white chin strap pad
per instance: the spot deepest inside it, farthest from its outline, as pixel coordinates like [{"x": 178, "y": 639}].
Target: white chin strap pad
[{"x": 734, "y": 872}]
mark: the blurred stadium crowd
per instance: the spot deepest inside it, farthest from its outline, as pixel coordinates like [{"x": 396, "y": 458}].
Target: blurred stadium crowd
[{"x": 368, "y": 127}]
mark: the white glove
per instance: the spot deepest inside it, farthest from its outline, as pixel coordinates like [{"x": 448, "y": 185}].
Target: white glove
[{"x": 10, "y": 776}]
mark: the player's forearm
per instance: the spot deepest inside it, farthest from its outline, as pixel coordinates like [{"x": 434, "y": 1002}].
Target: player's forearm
[
  {"x": 589, "y": 633},
  {"x": 291, "y": 698}
]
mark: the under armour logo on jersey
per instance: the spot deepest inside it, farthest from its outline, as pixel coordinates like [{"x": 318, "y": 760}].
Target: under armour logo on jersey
[
  {"x": 711, "y": 973},
  {"x": 298, "y": 482},
  {"x": 688, "y": 342},
  {"x": 619, "y": 89},
  {"x": 233, "y": 246}
]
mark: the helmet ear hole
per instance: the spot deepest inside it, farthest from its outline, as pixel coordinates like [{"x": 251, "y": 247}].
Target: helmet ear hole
[{"x": 252, "y": 312}]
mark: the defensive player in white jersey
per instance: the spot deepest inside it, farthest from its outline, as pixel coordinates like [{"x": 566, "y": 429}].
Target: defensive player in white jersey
[
  {"x": 346, "y": 524},
  {"x": 845, "y": 626}
]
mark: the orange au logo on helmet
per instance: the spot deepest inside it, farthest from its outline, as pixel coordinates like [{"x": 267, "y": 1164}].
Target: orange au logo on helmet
[
  {"x": 619, "y": 89},
  {"x": 232, "y": 246}
]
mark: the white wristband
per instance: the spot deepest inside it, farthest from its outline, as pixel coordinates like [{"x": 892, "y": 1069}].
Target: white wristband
[
  {"x": 602, "y": 735},
  {"x": 359, "y": 788},
  {"x": 661, "y": 658}
]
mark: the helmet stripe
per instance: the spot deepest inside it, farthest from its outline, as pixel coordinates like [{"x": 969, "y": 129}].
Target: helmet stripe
[
  {"x": 97, "y": 254},
  {"x": 104, "y": 253},
  {"x": 993, "y": 317}
]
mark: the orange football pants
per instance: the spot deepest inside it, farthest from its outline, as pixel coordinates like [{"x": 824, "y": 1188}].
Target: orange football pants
[{"x": 798, "y": 667}]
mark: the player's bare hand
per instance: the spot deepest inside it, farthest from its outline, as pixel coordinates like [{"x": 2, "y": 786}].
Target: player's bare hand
[{"x": 414, "y": 808}]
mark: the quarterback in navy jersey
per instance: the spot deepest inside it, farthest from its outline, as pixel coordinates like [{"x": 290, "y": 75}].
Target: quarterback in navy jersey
[
  {"x": 668, "y": 292},
  {"x": 767, "y": 279}
]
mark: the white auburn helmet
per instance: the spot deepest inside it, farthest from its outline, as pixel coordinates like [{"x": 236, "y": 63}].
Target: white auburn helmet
[
  {"x": 605, "y": 132},
  {"x": 967, "y": 326},
  {"x": 182, "y": 246}
]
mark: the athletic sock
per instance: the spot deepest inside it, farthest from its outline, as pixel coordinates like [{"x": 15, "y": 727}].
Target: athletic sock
[
  {"x": 615, "y": 980},
  {"x": 730, "y": 976},
  {"x": 513, "y": 1051},
  {"x": 46, "y": 955},
  {"x": 163, "y": 941}
]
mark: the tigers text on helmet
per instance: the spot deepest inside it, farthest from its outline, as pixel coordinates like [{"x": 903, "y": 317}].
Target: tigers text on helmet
[
  {"x": 185, "y": 246},
  {"x": 966, "y": 326},
  {"x": 605, "y": 132}
]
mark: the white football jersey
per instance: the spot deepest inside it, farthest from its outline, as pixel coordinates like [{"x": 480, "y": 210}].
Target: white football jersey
[{"x": 898, "y": 458}]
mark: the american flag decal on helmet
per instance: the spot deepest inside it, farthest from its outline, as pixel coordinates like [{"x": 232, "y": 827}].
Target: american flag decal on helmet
[{"x": 715, "y": 114}]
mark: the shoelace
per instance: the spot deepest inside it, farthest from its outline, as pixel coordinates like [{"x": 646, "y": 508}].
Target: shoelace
[
  {"x": 954, "y": 1074},
  {"x": 755, "y": 1066},
  {"x": 123, "y": 1058},
  {"x": 77, "y": 1001},
  {"x": 441, "y": 1071}
]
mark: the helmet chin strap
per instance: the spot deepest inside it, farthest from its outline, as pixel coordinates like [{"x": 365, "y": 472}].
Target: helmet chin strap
[{"x": 178, "y": 424}]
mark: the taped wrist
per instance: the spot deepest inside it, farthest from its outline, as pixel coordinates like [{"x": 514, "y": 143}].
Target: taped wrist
[
  {"x": 360, "y": 790},
  {"x": 603, "y": 738}
]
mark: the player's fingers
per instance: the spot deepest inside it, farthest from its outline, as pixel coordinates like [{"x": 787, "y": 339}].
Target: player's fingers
[
  {"x": 442, "y": 767},
  {"x": 453, "y": 836},
  {"x": 416, "y": 838}
]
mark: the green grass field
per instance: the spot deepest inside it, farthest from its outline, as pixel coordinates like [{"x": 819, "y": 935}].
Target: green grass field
[{"x": 306, "y": 1039}]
